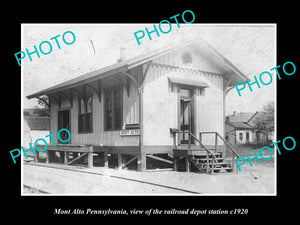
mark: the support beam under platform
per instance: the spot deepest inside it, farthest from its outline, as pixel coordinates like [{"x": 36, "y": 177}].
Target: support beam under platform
[
  {"x": 137, "y": 157},
  {"x": 78, "y": 151},
  {"x": 129, "y": 161},
  {"x": 160, "y": 159},
  {"x": 141, "y": 162},
  {"x": 77, "y": 158}
]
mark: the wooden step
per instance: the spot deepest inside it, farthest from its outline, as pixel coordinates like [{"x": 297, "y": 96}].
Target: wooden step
[
  {"x": 204, "y": 153},
  {"x": 223, "y": 168},
  {"x": 210, "y": 164},
  {"x": 203, "y": 160},
  {"x": 219, "y": 167},
  {"x": 193, "y": 147},
  {"x": 221, "y": 163},
  {"x": 204, "y": 157}
]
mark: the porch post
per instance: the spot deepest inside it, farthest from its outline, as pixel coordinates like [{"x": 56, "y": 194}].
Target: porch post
[
  {"x": 66, "y": 157},
  {"x": 61, "y": 157},
  {"x": 105, "y": 158},
  {"x": 175, "y": 163},
  {"x": 120, "y": 165},
  {"x": 90, "y": 157},
  {"x": 36, "y": 158},
  {"x": 141, "y": 162},
  {"x": 187, "y": 164},
  {"x": 139, "y": 84},
  {"x": 48, "y": 156}
]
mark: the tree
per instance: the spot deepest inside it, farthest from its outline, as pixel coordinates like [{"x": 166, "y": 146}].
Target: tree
[
  {"x": 44, "y": 102},
  {"x": 264, "y": 121}
]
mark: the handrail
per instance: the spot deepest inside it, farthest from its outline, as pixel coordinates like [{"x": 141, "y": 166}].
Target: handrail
[
  {"x": 191, "y": 134},
  {"x": 202, "y": 144},
  {"x": 230, "y": 147}
]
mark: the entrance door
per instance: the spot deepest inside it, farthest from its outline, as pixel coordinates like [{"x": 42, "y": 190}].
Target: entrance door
[
  {"x": 186, "y": 116},
  {"x": 63, "y": 122}
]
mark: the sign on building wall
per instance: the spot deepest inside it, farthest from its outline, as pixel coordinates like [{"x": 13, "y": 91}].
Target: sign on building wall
[{"x": 130, "y": 132}]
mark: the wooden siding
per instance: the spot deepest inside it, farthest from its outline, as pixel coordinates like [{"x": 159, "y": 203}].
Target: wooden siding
[
  {"x": 99, "y": 136},
  {"x": 209, "y": 109},
  {"x": 200, "y": 61},
  {"x": 160, "y": 103},
  {"x": 161, "y": 100},
  {"x": 160, "y": 108}
]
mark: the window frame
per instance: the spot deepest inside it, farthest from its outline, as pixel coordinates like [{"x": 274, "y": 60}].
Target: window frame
[
  {"x": 112, "y": 91},
  {"x": 247, "y": 136},
  {"x": 84, "y": 115},
  {"x": 241, "y": 136}
]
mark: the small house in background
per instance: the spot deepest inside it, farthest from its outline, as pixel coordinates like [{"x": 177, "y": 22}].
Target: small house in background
[
  {"x": 240, "y": 129},
  {"x": 34, "y": 128}
]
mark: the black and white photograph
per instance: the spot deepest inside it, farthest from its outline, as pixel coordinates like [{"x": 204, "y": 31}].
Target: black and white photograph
[
  {"x": 132, "y": 114},
  {"x": 144, "y": 109}
]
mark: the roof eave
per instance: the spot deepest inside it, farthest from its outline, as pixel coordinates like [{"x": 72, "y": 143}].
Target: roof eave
[
  {"x": 225, "y": 61},
  {"x": 61, "y": 87}
]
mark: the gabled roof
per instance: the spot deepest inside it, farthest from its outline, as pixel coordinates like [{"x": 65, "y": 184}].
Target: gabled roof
[
  {"x": 240, "y": 125},
  {"x": 37, "y": 123},
  {"x": 225, "y": 64},
  {"x": 243, "y": 117}
]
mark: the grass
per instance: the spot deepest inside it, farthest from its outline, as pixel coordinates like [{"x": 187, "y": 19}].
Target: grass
[{"x": 249, "y": 149}]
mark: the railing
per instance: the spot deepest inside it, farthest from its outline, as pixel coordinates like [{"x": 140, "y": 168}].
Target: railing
[
  {"x": 208, "y": 152},
  {"x": 233, "y": 152}
]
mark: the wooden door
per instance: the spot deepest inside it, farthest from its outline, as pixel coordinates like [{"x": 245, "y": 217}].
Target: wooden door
[
  {"x": 64, "y": 122},
  {"x": 185, "y": 119}
]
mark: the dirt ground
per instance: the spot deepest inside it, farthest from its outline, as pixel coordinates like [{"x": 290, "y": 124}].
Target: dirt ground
[{"x": 256, "y": 180}]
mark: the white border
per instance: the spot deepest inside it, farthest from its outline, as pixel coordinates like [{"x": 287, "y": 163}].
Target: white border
[{"x": 196, "y": 195}]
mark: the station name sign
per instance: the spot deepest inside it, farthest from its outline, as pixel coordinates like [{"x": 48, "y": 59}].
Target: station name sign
[{"x": 133, "y": 132}]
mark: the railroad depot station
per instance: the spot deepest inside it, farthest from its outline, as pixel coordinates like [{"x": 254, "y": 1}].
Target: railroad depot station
[{"x": 160, "y": 110}]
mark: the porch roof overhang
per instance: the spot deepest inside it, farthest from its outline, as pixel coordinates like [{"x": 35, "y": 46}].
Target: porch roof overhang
[
  {"x": 187, "y": 82},
  {"x": 81, "y": 80},
  {"x": 107, "y": 71}
]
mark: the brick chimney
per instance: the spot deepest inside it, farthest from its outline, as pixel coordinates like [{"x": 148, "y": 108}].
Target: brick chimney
[{"x": 122, "y": 54}]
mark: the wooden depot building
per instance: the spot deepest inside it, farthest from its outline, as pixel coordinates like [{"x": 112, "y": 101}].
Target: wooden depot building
[{"x": 164, "y": 106}]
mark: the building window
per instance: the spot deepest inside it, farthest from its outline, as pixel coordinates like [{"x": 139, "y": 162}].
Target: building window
[
  {"x": 241, "y": 136},
  {"x": 85, "y": 115},
  {"x": 113, "y": 110},
  {"x": 247, "y": 136}
]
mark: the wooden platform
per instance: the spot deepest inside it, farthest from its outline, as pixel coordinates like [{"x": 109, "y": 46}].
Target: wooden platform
[
  {"x": 69, "y": 148},
  {"x": 70, "y": 154},
  {"x": 66, "y": 150},
  {"x": 122, "y": 156}
]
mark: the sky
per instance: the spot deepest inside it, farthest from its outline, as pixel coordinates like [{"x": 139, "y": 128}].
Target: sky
[{"x": 250, "y": 47}]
